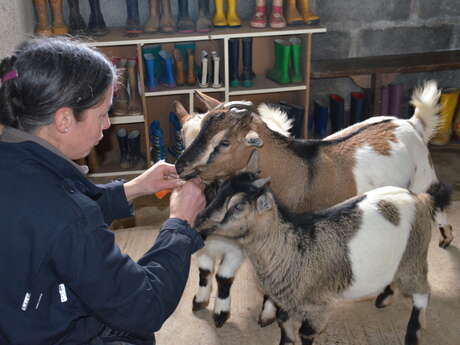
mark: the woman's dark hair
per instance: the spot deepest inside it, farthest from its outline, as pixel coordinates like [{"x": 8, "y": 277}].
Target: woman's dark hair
[{"x": 52, "y": 73}]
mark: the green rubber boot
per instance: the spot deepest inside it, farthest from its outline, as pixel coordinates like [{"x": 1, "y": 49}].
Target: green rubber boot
[
  {"x": 280, "y": 72},
  {"x": 296, "y": 55}
]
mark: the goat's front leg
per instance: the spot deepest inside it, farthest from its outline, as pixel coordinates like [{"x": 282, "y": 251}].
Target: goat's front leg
[
  {"x": 268, "y": 313},
  {"x": 417, "y": 319},
  {"x": 205, "y": 266},
  {"x": 230, "y": 263},
  {"x": 289, "y": 328}
]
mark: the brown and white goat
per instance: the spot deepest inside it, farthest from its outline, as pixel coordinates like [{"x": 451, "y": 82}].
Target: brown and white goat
[
  {"x": 307, "y": 261},
  {"x": 309, "y": 175}
]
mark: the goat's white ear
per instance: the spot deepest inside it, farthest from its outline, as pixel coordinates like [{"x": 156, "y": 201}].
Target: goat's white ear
[
  {"x": 263, "y": 203},
  {"x": 253, "y": 139},
  {"x": 261, "y": 182},
  {"x": 253, "y": 163},
  {"x": 181, "y": 113},
  {"x": 208, "y": 101}
]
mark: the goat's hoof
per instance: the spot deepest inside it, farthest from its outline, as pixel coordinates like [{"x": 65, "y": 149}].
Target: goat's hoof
[
  {"x": 444, "y": 243},
  {"x": 265, "y": 322},
  {"x": 221, "y": 318},
  {"x": 385, "y": 298},
  {"x": 199, "y": 305}
]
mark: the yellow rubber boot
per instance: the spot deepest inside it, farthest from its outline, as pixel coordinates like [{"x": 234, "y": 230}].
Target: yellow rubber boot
[
  {"x": 293, "y": 16},
  {"x": 308, "y": 17},
  {"x": 232, "y": 16},
  {"x": 219, "y": 19},
  {"x": 448, "y": 100}
]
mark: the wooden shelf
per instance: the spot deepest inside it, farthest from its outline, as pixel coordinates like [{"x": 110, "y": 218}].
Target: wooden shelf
[
  {"x": 264, "y": 85},
  {"x": 453, "y": 145},
  {"x": 126, "y": 119},
  {"x": 181, "y": 90},
  {"x": 117, "y": 36}
]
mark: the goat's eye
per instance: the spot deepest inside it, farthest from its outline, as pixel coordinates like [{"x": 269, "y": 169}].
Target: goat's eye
[
  {"x": 225, "y": 143},
  {"x": 239, "y": 207}
]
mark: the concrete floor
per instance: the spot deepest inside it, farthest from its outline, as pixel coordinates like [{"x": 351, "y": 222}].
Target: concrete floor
[{"x": 352, "y": 323}]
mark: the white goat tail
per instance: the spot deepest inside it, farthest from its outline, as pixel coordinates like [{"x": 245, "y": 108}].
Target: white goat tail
[
  {"x": 276, "y": 119},
  {"x": 426, "y": 117}
]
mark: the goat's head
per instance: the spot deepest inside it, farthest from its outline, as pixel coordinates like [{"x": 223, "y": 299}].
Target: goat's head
[
  {"x": 224, "y": 141},
  {"x": 241, "y": 201}
]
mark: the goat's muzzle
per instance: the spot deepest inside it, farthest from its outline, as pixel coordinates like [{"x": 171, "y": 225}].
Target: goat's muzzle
[{"x": 185, "y": 174}]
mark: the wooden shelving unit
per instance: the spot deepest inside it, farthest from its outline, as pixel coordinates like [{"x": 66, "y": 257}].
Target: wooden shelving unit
[{"x": 158, "y": 103}]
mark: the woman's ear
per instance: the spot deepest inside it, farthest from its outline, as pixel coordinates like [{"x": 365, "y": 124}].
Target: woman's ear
[{"x": 64, "y": 120}]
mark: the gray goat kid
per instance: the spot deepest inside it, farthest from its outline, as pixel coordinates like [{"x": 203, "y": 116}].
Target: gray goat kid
[
  {"x": 308, "y": 175},
  {"x": 307, "y": 261}
]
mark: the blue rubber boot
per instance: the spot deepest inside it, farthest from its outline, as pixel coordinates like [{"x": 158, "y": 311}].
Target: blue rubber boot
[
  {"x": 167, "y": 79},
  {"x": 248, "y": 74},
  {"x": 185, "y": 24},
  {"x": 320, "y": 117},
  {"x": 150, "y": 79},
  {"x": 157, "y": 148},
  {"x": 133, "y": 26},
  {"x": 154, "y": 49},
  {"x": 337, "y": 112},
  {"x": 176, "y": 146},
  {"x": 234, "y": 54},
  {"x": 357, "y": 100}
]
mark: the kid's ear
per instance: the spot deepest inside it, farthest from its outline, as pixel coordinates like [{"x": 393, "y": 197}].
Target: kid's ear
[
  {"x": 253, "y": 139},
  {"x": 264, "y": 203},
  {"x": 181, "y": 113}
]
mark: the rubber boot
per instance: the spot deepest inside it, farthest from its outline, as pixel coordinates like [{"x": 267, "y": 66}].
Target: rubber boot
[
  {"x": 122, "y": 138},
  {"x": 121, "y": 98},
  {"x": 232, "y": 14},
  {"x": 204, "y": 64},
  {"x": 184, "y": 22},
  {"x": 136, "y": 158},
  {"x": 277, "y": 20},
  {"x": 320, "y": 117},
  {"x": 183, "y": 47},
  {"x": 167, "y": 79},
  {"x": 215, "y": 70},
  {"x": 191, "y": 78},
  {"x": 77, "y": 25},
  {"x": 337, "y": 112},
  {"x": 395, "y": 92},
  {"x": 58, "y": 28},
  {"x": 233, "y": 57},
  {"x": 134, "y": 106},
  {"x": 308, "y": 17},
  {"x": 357, "y": 100},
  {"x": 204, "y": 23},
  {"x": 297, "y": 114},
  {"x": 456, "y": 123},
  {"x": 133, "y": 26},
  {"x": 43, "y": 27},
  {"x": 167, "y": 23},
  {"x": 96, "y": 23},
  {"x": 151, "y": 83},
  {"x": 176, "y": 145},
  {"x": 384, "y": 101},
  {"x": 156, "y": 137},
  {"x": 179, "y": 67},
  {"x": 154, "y": 49},
  {"x": 296, "y": 55},
  {"x": 280, "y": 73},
  {"x": 247, "y": 62},
  {"x": 293, "y": 16},
  {"x": 153, "y": 23},
  {"x": 259, "y": 19},
  {"x": 448, "y": 100},
  {"x": 219, "y": 20}
]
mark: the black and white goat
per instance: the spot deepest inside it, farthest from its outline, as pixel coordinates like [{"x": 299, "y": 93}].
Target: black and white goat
[{"x": 305, "y": 261}]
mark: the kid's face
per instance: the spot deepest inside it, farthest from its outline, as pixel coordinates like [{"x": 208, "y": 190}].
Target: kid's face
[{"x": 89, "y": 131}]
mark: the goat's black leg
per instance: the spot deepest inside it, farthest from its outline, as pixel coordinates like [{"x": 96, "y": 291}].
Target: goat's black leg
[
  {"x": 285, "y": 324},
  {"x": 417, "y": 318},
  {"x": 201, "y": 299},
  {"x": 307, "y": 333},
  {"x": 222, "y": 307},
  {"x": 386, "y": 297}
]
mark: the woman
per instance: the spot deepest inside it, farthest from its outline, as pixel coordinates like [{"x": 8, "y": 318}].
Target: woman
[{"x": 64, "y": 280}]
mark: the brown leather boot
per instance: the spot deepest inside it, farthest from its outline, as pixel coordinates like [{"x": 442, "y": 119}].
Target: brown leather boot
[
  {"x": 120, "y": 102},
  {"x": 59, "y": 27},
  {"x": 134, "y": 105},
  {"x": 167, "y": 23},
  {"x": 179, "y": 67},
  {"x": 153, "y": 23},
  {"x": 191, "y": 79},
  {"x": 43, "y": 27}
]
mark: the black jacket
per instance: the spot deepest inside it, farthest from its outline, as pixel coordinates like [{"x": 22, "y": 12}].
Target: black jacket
[{"x": 63, "y": 278}]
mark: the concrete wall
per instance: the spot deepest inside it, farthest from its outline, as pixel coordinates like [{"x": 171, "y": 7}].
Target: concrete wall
[{"x": 17, "y": 20}]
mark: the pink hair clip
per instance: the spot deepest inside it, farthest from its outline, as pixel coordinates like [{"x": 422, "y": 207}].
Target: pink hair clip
[{"x": 8, "y": 76}]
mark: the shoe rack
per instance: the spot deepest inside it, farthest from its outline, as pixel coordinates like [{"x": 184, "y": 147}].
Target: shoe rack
[{"x": 157, "y": 104}]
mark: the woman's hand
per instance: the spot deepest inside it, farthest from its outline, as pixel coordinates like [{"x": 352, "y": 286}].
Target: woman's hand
[
  {"x": 187, "y": 201},
  {"x": 160, "y": 176}
]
